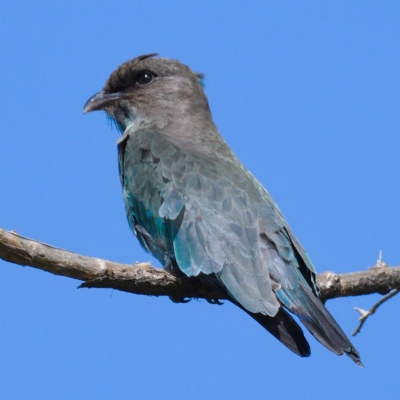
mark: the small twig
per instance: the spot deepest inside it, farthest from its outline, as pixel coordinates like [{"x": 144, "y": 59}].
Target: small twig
[{"x": 366, "y": 313}]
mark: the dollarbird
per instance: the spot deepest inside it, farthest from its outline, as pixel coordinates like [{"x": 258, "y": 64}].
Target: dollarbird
[{"x": 196, "y": 208}]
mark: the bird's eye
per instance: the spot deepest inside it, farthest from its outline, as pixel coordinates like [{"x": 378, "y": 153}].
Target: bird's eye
[{"x": 144, "y": 78}]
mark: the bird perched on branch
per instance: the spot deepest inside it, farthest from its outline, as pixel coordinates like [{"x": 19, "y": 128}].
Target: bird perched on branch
[{"x": 196, "y": 208}]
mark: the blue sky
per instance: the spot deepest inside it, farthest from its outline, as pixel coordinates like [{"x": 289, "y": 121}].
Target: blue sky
[{"x": 307, "y": 95}]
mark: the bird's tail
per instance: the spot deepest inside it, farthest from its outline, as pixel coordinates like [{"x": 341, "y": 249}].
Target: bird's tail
[
  {"x": 282, "y": 325},
  {"x": 285, "y": 329},
  {"x": 317, "y": 319}
]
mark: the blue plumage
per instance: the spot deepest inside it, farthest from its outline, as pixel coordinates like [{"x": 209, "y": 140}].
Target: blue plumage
[{"x": 194, "y": 206}]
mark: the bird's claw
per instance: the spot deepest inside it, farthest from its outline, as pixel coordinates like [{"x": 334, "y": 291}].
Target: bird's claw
[
  {"x": 177, "y": 299},
  {"x": 214, "y": 301}
]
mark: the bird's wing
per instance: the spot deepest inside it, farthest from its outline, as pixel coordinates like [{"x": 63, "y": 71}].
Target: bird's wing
[
  {"x": 215, "y": 218},
  {"x": 225, "y": 212},
  {"x": 228, "y": 224},
  {"x": 289, "y": 265}
]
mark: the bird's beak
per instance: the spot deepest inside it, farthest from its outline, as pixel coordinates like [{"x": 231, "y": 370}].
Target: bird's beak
[{"x": 100, "y": 101}]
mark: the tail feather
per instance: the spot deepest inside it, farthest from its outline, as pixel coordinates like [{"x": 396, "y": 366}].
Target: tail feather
[
  {"x": 311, "y": 312},
  {"x": 282, "y": 325},
  {"x": 285, "y": 329},
  {"x": 322, "y": 325}
]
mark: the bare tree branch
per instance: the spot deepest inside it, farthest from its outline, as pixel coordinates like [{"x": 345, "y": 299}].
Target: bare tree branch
[
  {"x": 142, "y": 278},
  {"x": 378, "y": 279},
  {"x": 366, "y": 313}
]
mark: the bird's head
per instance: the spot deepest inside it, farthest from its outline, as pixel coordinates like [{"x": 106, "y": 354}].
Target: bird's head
[{"x": 157, "y": 93}]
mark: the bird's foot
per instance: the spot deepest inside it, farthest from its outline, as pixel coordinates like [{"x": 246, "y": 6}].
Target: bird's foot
[
  {"x": 214, "y": 301},
  {"x": 177, "y": 299}
]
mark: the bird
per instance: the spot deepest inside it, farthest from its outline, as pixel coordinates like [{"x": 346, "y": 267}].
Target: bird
[{"x": 194, "y": 206}]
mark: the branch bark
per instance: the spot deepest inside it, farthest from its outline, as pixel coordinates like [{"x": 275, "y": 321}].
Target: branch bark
[{"x": 142, "y": 278}]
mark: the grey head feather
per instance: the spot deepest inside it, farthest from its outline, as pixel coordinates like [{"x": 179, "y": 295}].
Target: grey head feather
[{"x": 174, "y": 103}]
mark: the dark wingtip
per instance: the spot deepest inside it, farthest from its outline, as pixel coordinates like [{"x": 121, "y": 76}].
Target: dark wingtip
[
  {"x": 318, "y": 320},
  {"x": 359, "y": 363},
  {"x": 354, "y": 355}
]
